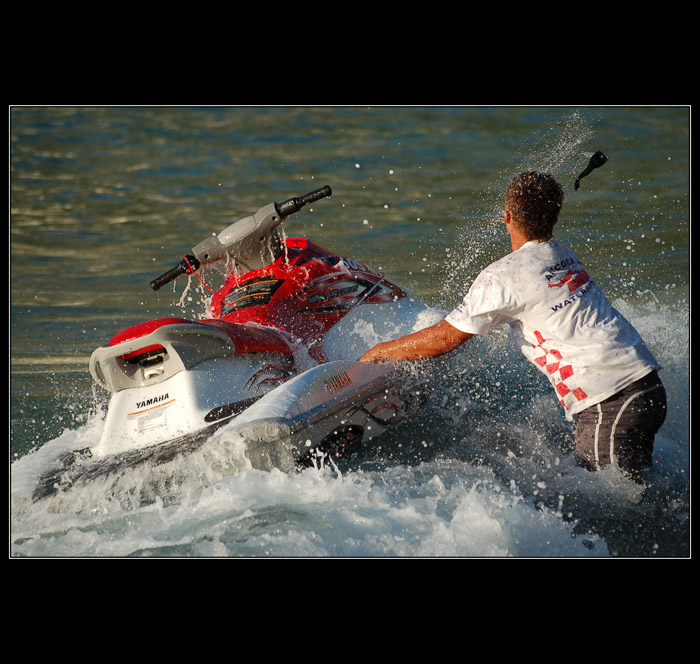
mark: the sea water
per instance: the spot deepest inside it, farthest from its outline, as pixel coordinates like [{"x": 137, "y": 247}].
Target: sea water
[{"x": 104, "y": 199}]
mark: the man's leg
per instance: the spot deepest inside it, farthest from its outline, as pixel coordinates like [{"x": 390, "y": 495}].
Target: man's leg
[{"x": 622, "y": 428}]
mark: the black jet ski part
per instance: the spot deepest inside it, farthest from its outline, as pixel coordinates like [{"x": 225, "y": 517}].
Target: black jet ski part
[
  {"x": 342, "y": 442},
  {"x": 295, "y": 204},
  {"x": 187, "y": 265},
  {"x": 596, "y": 161},
  {"x": 229, "y": 410},
  {"x": 79, "y": 467}
]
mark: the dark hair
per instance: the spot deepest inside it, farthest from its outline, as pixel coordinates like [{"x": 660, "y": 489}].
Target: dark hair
[{"x": 534, "y": 201}]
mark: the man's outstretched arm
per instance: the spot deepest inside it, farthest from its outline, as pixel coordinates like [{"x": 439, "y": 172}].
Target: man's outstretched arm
[{"x": 435, "y": 340}]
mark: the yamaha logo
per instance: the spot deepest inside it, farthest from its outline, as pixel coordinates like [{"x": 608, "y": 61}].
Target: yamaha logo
[{"x": 153, "y": 401}]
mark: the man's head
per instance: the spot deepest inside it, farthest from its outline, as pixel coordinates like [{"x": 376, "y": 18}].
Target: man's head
[{"x": 534, "y": 200}]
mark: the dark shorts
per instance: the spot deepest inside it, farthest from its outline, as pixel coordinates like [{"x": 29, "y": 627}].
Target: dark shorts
[{"x": 622, "y": 427}]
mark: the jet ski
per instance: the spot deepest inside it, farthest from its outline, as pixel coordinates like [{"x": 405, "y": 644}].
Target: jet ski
[{"x": 257, "y": 364}]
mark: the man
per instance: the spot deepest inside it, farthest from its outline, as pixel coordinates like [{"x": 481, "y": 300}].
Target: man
[{"x": 599, "y": 367}]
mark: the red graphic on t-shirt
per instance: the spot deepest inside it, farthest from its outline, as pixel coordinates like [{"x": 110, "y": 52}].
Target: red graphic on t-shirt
[
  {"x": 574, "y": 278},
  {"x": 551, "y": 361}
]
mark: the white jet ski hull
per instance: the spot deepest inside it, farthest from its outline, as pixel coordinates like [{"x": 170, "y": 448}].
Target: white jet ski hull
[
  {"x": 325, "y": 413},
  {"x": 187, "y": 402},
  {"x": 319, "y": 416}
]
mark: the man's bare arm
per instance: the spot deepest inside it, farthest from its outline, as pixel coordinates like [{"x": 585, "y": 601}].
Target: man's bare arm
[{"x": 435, "y": 340}]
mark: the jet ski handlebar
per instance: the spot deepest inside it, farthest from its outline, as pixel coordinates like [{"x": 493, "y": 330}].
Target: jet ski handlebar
[
  {"x": 190, "y": 263},
  {"x": 295, "y": 204}
]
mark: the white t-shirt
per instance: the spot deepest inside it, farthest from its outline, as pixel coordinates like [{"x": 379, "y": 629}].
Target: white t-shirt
[{"x": 561, "y": 321}]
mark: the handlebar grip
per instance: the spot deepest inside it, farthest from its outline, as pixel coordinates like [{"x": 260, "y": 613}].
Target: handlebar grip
[
  {"x": 295, "y": 204},
  {"x": 187, "y": 265}
]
